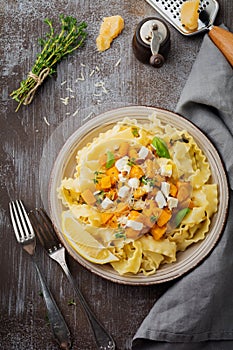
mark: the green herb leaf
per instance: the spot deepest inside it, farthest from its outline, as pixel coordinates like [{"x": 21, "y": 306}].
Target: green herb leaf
[
  {"x": 100, "y": 197},
  {"x": 144, "y": 180},
  {"x": 120, "y": 235},
  {"x": 161, "y": 147},
  {"x": 71, "y": 302},
  {"x": 120, "y": 232},
  {"x": 97, "y": 177},
  {"x": 110, "y": 160},
  {"x": 54, "y": 48},
  {"x": 180, "y": 215},
  {"x": 135, "y": 132},
  {"x": 153, "y": 218},
  {"x": 131, "y": 162},
  {"x": 151, "y": 182}
]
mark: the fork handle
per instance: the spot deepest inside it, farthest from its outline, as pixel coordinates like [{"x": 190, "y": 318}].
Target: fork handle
[
  {"x": 104, "y": 340},
  {"x": 58, "y": 325}
]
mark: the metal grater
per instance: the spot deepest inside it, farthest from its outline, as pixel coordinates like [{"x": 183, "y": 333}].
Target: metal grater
[{"x": 170, "y": 10}]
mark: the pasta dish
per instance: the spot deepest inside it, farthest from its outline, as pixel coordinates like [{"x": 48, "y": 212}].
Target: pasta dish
[{"x": 141, "y": 193}]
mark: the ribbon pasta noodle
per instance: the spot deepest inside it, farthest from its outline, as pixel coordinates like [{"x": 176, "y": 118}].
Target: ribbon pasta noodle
[{"x": 143, "y": 191}]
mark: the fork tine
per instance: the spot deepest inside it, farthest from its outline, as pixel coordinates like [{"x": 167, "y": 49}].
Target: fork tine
[
  {"x": 14, "y": 222},
  {"x": 20, "y": 220},
  {"x": 26, "y": 226},
  {"x": 26, "y": 236}
]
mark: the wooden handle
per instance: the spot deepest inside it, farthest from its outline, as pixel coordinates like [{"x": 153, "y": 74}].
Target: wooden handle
[{"x": 224, "y": 41}]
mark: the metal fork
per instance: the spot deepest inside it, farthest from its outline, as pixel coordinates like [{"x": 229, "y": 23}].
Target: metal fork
[
  {"x": 25, "y": 235},
  {"x": 47, "y": 235}
]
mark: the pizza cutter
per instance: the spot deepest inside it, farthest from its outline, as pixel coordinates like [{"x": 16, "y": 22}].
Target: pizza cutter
[{"x": 208, "y": 9}]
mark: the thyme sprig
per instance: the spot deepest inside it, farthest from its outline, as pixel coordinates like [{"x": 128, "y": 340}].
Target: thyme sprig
[{"x": 54, "y": 48}]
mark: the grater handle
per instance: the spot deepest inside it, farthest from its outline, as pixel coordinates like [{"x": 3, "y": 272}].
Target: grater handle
[{"x": 223, "y": 39}]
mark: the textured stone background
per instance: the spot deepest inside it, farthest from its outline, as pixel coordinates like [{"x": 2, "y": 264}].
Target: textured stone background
[{"x": 23, "y": 136}]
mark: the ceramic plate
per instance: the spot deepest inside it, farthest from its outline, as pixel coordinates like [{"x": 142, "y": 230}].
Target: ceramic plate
[{"x": 64, "y": 166}]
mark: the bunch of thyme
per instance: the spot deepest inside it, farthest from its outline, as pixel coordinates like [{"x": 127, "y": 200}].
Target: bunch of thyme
[{"x": 54, "y": 48}]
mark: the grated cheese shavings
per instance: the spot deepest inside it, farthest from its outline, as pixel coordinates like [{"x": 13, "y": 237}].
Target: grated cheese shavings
[
  {"x": 76, "y": 112},
  {"x": 118, "y": 62},
  {"x": 69, "y": 89},
  {"x": 88, "y": 116},
  {"x": 65, "y": 100},
  {"x": 81, "y": 78},
  {"x": 92, "y": 72},
  {"x": 46, "y": 121},
  {"x": 101, "y": 84}
]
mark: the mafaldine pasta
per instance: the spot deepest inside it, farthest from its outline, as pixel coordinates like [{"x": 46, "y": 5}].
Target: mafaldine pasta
[{"x": 144, "y": 191}]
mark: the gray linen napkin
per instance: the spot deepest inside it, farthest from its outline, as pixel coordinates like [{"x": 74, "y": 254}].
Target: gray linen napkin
[{"x": 197, "y": 311}]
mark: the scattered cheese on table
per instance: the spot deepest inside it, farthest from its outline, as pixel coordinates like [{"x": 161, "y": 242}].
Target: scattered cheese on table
[{"x": 110, "y": 28}]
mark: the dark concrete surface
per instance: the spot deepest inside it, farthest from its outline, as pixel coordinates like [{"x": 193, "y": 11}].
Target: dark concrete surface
[{"x": 23, "y": 322}]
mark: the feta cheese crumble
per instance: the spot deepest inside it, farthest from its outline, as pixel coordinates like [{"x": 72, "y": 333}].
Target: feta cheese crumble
[
  {"x": 135, "y": 225},
  {"x": 160, "y": 199},
  {"x": 123, "y": 191},
  {"x": 122, "y": 164},
  {"x": 143, "y": 153},
  {"x": 107, "y": 203},
  {"x": 166, "y": 170},
  {"x": 172, "y": 202},
  {"x": 134, "y": 182},
  {"x": 165, "y": 188}
]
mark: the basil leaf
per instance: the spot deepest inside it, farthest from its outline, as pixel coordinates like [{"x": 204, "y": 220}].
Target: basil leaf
[
  {"x": 180, "y": 215},
  {"x": 144, "y": 180},
  {"x": 160, "y": 147},
  {"x": 110, "y": 159}
]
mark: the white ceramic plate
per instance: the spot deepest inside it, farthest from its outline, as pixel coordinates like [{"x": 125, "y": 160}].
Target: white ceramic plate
[{"x": 64, "y": 166}]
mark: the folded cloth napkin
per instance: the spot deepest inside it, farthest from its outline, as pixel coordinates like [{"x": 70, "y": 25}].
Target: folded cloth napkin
[{"x": 197, "y": 311}]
